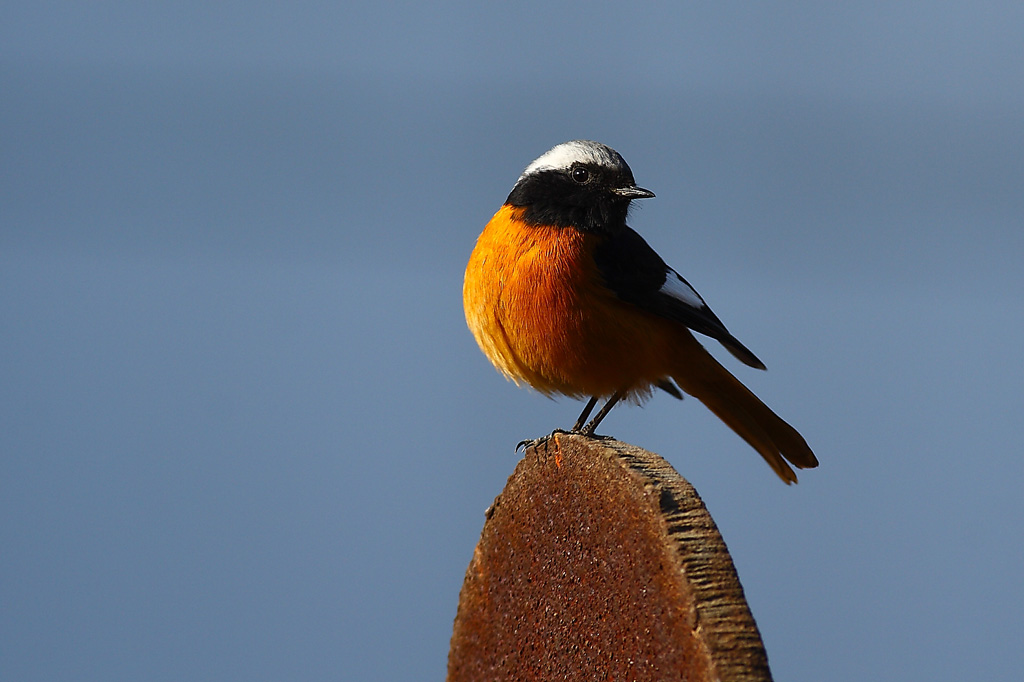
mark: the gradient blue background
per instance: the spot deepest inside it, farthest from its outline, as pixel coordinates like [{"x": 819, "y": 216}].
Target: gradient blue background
[{"x": 245, "y": 434}]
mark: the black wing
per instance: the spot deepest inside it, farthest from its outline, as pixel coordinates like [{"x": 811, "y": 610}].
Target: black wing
[{"x": 638, "y": 275}]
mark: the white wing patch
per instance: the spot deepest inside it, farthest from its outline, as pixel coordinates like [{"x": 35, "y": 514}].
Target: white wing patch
[{"x": 677, "y": 288}]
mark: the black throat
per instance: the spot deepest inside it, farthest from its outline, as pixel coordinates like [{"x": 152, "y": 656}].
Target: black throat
[{"x": 550, "y": 199}]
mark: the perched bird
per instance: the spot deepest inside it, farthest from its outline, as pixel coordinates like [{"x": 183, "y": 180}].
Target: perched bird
[{"x": 561, "y": 294}]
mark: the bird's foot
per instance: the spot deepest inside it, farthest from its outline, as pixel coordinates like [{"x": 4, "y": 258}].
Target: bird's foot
[{"x": 534, "y": 442}]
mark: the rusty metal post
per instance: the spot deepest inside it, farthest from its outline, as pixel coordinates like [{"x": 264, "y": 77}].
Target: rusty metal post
[{"x": 599, "y": 562}]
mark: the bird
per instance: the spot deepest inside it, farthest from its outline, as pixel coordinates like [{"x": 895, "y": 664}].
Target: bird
[{"x": 562, "y": 295}]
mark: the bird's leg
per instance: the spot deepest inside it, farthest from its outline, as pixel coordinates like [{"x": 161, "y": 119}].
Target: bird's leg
[
  {"x": 583, "y": 415},
  {"x": 578, "y": 427},
  {"x": 588, "y": 430},
  {"x": 533, "y": 442}
]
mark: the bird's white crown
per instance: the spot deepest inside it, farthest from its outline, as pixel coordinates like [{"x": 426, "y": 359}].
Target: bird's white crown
[{"x": 563, "y": 156}]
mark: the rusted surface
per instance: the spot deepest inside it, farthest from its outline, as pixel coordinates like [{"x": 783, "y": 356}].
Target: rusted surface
[{"x": 599, "y": 562}]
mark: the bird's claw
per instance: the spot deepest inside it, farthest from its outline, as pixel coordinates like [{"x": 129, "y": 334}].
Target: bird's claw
[{"x": 534, "y": 442}]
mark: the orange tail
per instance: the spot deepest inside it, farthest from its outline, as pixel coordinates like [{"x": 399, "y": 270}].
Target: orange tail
[{"x": 707, "y": 381}]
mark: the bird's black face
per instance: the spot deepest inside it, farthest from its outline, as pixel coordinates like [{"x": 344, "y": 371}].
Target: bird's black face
[{"x": 583, "y": 185}]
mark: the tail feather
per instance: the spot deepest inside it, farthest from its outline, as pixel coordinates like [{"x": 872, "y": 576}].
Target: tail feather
[{"x": 745, "y": 414}]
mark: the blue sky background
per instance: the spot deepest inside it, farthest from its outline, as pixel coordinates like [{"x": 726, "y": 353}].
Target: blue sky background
[{"x": 245, "y": 434}]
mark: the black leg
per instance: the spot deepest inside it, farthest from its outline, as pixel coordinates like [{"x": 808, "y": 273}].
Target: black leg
[
  {"x": 588, "y": 430},
  {"x": 583, "y": 415}
]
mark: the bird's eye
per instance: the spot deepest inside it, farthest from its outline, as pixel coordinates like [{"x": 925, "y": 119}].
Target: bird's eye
[{"x": 579, "y": 174}]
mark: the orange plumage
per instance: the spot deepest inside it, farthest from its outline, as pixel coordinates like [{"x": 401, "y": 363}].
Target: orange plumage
[
  {"x": 534, "y": 302},
  {"x": 560, "y": 294}
]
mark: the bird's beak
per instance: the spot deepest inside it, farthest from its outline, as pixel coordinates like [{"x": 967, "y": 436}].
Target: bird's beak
[{"x": 633, "y": 192}]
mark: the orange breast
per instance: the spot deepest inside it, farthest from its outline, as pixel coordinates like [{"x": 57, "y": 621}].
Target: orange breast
[{"x": 535, "y": 303}]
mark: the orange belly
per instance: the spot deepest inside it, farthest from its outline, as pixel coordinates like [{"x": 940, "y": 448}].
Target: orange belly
[{"x": 535, "y": 303}]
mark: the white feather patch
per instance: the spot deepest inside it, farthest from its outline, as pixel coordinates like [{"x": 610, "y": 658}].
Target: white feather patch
[
  {"x": 566, "y": 154},
  {"x": 675, "y": 287}
]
